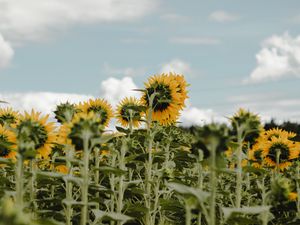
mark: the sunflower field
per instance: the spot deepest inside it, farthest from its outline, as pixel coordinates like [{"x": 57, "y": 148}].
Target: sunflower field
[{"x": 150, "y": 170}]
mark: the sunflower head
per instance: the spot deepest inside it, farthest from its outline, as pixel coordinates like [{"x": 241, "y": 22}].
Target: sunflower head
[
  {"x": 280, "y": 152},
  {"x": 7, "y": 143},
  {"x": 277, "y": 132},
  {"x": 255, "y": 155},
  {"x": 84, "y": 126},
  {"x": 64, "y": 112},
  {"x": 35, "y": 135},
  {"x": 8, "y": 116},
  {"x": 129, "y": 111},
  {"x": 101, "y": 109},
  {"x": 248, "y": 124},
  {"x": 165, "y": 96}
]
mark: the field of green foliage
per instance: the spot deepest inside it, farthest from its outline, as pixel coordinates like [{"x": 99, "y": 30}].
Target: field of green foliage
[{"x": 150, "y": 171}]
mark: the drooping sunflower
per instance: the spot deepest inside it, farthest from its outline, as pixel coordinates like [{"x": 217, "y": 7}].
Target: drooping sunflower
[
  {"x": 129, "y": 110},
  {"x": 35, "y": 135},
  {"x": 100, "y": 107},
  {"x": 283, "y": 148},
  {"x": 7, "y": 143},
  {"x": 84, "y": 126},
  {"x": 8, "y": 116},
  {"x": 248, "y": 123},
  {"x": 167, "y": 100},
  {"x": 64, "y": 112}
]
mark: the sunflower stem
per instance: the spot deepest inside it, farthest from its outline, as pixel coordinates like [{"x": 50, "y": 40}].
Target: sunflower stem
[
  {"x": 213, "y": 184},
  {"x": 188, "y": 213},
  {"x": 85, "y": 182},
  {"x": 69, "y": 188},
  {"x": 19, "y": 181},
  {"x": 121, "y": 189},
  {"x": 238, "y": 190},
  {"x": 148, "y": 164},
  {"x": 32, "y": 190}
]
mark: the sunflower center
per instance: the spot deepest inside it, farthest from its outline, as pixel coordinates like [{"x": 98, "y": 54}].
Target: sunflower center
[
  {"x": 282, "y": 148},
  {"x": 7, "y": 118},
  {"x": 102, "y": 113},
  {"x": 162, "y": 98},
  {"x": 4, "y": 146},
  {"x": 33, "y": 131}
]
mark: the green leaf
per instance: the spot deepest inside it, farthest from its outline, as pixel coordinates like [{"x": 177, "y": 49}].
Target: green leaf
[
  {"x": 229, "y": 212},
  {"x": 186, "y": 190},
  {"x": 100, "y": 215}
]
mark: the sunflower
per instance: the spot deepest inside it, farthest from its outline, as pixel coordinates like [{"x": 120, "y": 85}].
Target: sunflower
[
  {"x": 35, "y": 133},
  {"x": 100, "y": 107},
  {"x": 277, "y": 132},
  {"x": 62, "y": 135},
  {"x": 7, "y": 144},
  {"x": 64, "y": 112},
  {"x": 248, "y": 124},
  {"x": 129, "y": 109},
  {"x": 8, "y": 116},
  {"x": 182, "y": 85},
  {"x": 255, "y": 155},
  {"x": 283, "y": 148},
  {"x": 168, "y": 98},
  {"x": 84, "y": 126},
  {"x": 62, "y": 169}
]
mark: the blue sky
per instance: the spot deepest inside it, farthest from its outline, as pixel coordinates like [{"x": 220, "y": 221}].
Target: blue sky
[{"x": 73, "y": 48}]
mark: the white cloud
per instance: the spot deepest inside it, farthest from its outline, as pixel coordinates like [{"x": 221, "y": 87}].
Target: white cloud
[
  {"x": 34, "y": 19},
  {"x": 195, "y": 116},
  {"x": 44, "y": 102},
  {"x": 109, "y": 70},
  {"x": 6, "y": 52},
  {"x": 278, "y": 58},
  {"x": 269, "y": 105},
  {"x": 195, "y": 40},
  {"x": 114, "y": 89},
  {"x": 177, "y": 66},
  {"x": 222, "y": 16}
]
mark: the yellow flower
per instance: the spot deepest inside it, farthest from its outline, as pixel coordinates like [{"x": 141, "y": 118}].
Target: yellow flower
[
  {"x": 277, "y": 132},
  {"x": 8, "y": 116},
  {"x": 36, "y": 129},
  {"x": 255, "y": 155},
  {"x": 169, "y": 96},
  {"x": 62, "y": 135},
  {"x": 129, "y": 109},
  {"x": 7, "y": 144},
  {"x": 62, "y": 169},
  {"x": 100, "y": 107},
  {"x": 293, "y": 196},
  {"x": 283, "y": 148}
]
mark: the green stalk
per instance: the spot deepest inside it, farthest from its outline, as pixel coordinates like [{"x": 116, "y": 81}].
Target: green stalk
[
  {"x": 85, "y": 182},
  {"x": 69, "y": 189},
  {"x": 148, "y": 166},
  {"x": 188, "y": 213},
  {"x": 19, "y": 181},
  {"x": 112, "y": 181},
  {"x": 122, "y": 166},
  {"x": 213, "y": 185},
  {"x": 239, "y": 171},
  {"x": 97, "y": 171},
  {"x": 32, "y": 190},
  {"x": 264, "y": 198}
]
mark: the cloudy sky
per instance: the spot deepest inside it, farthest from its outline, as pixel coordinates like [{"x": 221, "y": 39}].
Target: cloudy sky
[{"x": 233, "y": 53}]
